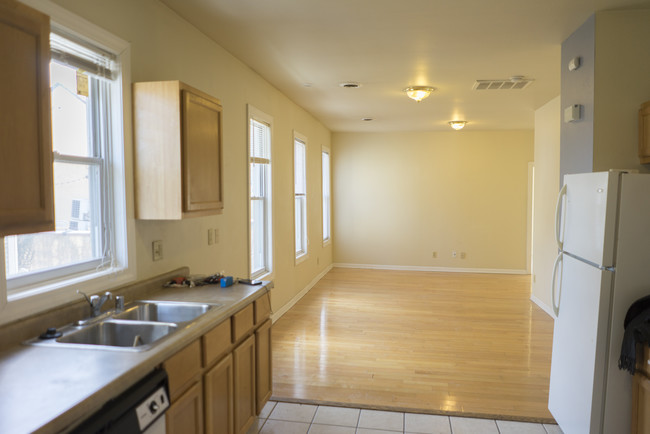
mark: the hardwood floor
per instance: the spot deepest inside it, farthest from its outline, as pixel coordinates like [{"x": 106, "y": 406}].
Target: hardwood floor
[{"x": 449, "y": 343}]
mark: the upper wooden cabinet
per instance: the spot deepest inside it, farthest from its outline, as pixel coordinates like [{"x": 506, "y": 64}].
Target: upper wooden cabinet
[
  {"x": 177, "y": 151},
  {"x": 644, "y": 133},
  {"x": 26, "y": 186}
]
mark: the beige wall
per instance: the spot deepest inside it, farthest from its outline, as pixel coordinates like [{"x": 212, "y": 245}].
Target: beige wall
[
  {"x": 165, "y": 47},
  {"x": 622, "y": 71},
  {"x": 547, "y": 185},
  {"x": 398, "y": 197}
]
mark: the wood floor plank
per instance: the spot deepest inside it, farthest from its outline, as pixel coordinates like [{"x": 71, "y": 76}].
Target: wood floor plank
[{"x": 453, "y": 343}]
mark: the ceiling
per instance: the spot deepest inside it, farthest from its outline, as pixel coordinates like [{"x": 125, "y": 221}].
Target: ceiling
[{"x": 306, "y": 48}]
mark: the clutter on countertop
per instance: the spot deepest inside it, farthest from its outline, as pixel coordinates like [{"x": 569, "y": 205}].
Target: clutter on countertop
[
  {"x": 214, "y": 279},
  {"x": 637, "y": 330}
]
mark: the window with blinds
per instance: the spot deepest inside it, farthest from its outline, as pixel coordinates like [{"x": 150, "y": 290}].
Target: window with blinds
[
  {"x": 81, "y": 78},
  {"x": 326, "y": 196},
  {"x": 260, "y": 195},
  {"x": 300, "y": 196}
]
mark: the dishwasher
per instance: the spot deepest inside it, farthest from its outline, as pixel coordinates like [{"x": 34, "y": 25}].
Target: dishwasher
[{"x": 140, "y": 409}]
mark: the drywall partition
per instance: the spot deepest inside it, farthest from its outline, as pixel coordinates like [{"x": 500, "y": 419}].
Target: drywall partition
[
  {"x": 400, "y": 197},
  {"x": 166, "y": 47},
  {"x": 547, "y": 176},
  {"x": 577, "y": 88},
  {"x": 609, "y": 85}
]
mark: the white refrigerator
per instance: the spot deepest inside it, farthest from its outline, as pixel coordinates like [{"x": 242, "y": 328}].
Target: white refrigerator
[{"x": 603, "y": 266}]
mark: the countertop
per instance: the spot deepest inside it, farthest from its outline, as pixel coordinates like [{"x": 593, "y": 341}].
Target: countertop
[{"x": 49, "y": 390}]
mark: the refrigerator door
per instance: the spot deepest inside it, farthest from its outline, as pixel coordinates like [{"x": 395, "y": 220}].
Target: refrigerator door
[
  {"x": 578, "y": 365},
  {"x": 587, "y": 216}
]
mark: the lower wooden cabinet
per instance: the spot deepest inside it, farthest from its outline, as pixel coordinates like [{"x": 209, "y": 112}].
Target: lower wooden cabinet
[
  {"x": 185, "y": 415},
  {"x": 219, "y": 383},
  {"x": 263, "y": 367},
  {"x": 219, "y": 398},
  {"x": 244, "y": 370}
]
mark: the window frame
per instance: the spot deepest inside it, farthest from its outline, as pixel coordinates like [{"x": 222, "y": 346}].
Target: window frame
[
  {"x": 257, "y": 115},
  {"x": 303, "y": 254},
  {"x": 328, "y": 152},
  {"x": 28, "y": 299}
]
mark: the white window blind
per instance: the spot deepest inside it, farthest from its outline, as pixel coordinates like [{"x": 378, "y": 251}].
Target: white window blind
[{"x": 75, "y": 52}]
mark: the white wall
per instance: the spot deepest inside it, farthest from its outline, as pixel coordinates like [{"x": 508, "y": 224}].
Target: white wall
[
  {"x": 547, "y": 183},
  {"x": 398, "y": 197}
]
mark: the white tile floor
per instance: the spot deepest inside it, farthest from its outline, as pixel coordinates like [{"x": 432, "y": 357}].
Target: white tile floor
[{"x": 287, "y": 418}]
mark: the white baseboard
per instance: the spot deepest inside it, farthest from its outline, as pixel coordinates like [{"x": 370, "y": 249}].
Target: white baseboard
[
  {"x": 419, "y": 268},
  {"x": 542, "y": 306},
  {"x": 277, "y": 315}
]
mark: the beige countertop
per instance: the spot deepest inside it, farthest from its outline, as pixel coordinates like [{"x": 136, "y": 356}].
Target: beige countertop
[{"x": 47, "y": 389}]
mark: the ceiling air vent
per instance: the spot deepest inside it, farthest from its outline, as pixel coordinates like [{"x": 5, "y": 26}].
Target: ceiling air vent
[{"x": 514, "y": 83}]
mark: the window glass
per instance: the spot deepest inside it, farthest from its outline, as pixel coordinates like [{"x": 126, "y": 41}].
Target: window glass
[
  {"x": 326, "y": 195},
  {"x": 260, "y": 197},
  {"x": 80, "y": 140},
  {"x": 300, "y": 194}
]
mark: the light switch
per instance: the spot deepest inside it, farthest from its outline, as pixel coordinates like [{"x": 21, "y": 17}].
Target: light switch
[{"x": 157, "y": 250}]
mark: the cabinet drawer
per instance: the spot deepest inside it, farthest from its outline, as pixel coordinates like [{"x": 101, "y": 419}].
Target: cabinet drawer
[
  {"x": 216, "y": 342},
  {"x": 262, "y": 308},
  {"x": 183, "y": 368},
  {"x": 242, "y": 323}
]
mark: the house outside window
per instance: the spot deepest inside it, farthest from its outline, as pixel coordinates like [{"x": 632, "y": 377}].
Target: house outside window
[
  {"x": 259, "y": 157},
  {"x": 300, "y": 195}
]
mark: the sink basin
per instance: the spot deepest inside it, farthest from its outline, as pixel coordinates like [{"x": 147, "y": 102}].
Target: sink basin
[
  {"x": 116, "y": 333},
  {"x": 164, "y": 311}
]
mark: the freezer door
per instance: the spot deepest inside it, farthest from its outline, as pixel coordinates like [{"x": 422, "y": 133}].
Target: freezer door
[
  {"x": 579, "y": 359},
  {"x": 587, "y": 216}
]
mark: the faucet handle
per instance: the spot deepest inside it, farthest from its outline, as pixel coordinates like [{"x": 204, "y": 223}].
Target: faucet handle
[{"x": 119, "y": 303}]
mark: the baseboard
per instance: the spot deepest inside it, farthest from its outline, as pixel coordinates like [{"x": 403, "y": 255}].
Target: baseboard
[
  {"x": 419, "y": 268},
  {"x": 277, "y": 315},
  {"x": 542, "y": 306}
]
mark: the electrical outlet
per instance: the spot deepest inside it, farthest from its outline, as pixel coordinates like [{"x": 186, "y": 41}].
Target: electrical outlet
[
  {"x": 210, "y": 237},
  {"x": 454, "y": 253},
  {"x": 463, "y": 255},
  {"x": 157, "y": 250},
  {"x": 435, "y": 254}
]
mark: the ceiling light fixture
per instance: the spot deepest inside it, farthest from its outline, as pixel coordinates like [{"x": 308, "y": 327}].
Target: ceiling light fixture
[
  {"x": 418, "y": 93},
  {"x": 457, "y": 125}
]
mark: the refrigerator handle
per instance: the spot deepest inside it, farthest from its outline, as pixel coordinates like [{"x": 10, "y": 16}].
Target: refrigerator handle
[
  {"x": 556, "y": 305},
  {"x": 558, "y": 217}
]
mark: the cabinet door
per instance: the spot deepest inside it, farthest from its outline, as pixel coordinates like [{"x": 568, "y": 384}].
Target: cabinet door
[
  {"x": 244, "y": 370},
  {"x": 201, "y": 153},
  {"x": 263, "y": 369},
  {"x": 219, "y": 398},
  {"x": 25, "y": 130},
  {"x": 185, "y": 415}
]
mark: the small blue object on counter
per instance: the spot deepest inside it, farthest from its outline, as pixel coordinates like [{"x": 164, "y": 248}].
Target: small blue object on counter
[{"x": 226, "y": 281}]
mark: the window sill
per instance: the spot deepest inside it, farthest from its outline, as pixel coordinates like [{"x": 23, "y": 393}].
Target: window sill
[{"x": 302, "y": 258}]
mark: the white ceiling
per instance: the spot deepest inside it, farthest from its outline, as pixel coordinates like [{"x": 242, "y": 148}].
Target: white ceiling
[{"x": 306, "y": 48}]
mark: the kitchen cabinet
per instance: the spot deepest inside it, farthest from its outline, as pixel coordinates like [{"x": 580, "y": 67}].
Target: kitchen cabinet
[
  {"x": 177, "y": 131},
  {"x": 231, "y": 363},
  {"x": 25, "y": 121},
  {"x": 185, "y": 415},
  {"x": 644, "y": 133},
  {"x": 641, "y": 393}
]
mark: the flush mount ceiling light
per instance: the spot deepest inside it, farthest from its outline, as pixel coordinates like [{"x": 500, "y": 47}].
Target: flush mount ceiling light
[
  {"x": 418, "y": 93},
  {"x": 457, "y": 125}
]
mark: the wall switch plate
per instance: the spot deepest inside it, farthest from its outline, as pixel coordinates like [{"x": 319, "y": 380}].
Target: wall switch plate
[
  {"x": 454, "y": 254},
  {"x": 216, "y": 235},
  {"x": 210, "y": 237},
  {"x": 434, "y": 254},
  {"x": 463, "y": 255},
  {"x": 157, "y": 250}
]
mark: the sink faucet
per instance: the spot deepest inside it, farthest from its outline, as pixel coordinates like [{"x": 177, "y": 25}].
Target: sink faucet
[{"x": 96, "y": 302}]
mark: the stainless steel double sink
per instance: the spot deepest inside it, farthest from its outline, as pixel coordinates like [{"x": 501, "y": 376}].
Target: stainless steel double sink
[{"x": 138, "y": 327}]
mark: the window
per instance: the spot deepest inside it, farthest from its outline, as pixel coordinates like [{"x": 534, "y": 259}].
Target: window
[
  {"x": 89, "y": 248},
  {"x": 300, "y": 194},
  {"x": 326, "y": 196},
  {"x": 259, "y": 157}
]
